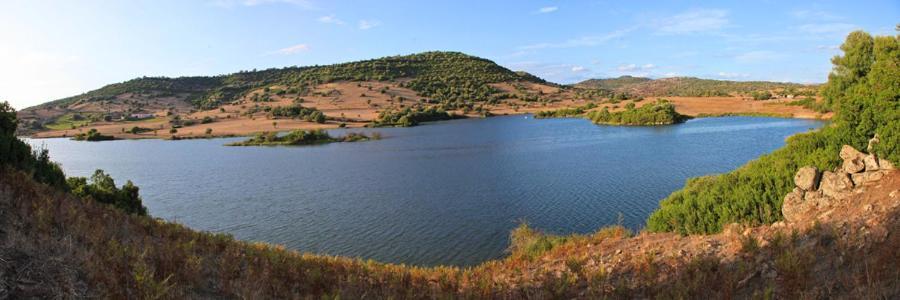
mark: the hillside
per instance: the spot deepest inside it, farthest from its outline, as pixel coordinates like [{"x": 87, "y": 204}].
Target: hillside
[
  {"x": 376, "y": 92},
  {"x": 53, "y": 244},
  {"x": 450, "y": 80},
  {"x": 694, "y": 87}
]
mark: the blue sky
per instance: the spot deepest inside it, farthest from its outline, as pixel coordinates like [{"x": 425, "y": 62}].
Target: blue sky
[{"x": 54, "y": 49}]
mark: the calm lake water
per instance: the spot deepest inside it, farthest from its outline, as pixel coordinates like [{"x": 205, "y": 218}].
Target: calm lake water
[{"x": 443, "y": 193}]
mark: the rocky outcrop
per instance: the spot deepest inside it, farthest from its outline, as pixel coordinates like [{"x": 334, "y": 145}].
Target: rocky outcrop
[{"x": 815, "y": 193}]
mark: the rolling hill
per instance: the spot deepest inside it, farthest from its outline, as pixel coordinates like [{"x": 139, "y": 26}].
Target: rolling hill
[{"x": 693, "y": 87}]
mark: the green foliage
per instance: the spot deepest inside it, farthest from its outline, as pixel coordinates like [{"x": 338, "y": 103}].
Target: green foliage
[
  {"x": 93, "y": 136},
  {"x": 297, "y": 111},
  {"x": 72, "y": 121},
  {"x": 865, "y": 90},
  {"x": 761, "y": 95},
  {"x": 17, "y": 154},
  {"x": 411, "y": 116},
  {"x": 103, "y": 189},
  {"x": 811, "y": 104},
  {"x": 303, "y": 137},
  {"x": 137, "y": 130},
  {"x": 660, "y": 113},
  {"x": 565, "y": 112},
  {"x": 689, "y": 86},
  {"x": 451, "y": 78},
  {"x": 527, "y": 243}
]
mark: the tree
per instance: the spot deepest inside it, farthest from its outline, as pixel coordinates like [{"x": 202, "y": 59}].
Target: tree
[{"x": 208, "y": 131}]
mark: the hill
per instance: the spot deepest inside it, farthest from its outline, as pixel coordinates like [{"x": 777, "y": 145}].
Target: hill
[
  {"x": 694, "y": 87},
  {"x": 452, "y": 80}
]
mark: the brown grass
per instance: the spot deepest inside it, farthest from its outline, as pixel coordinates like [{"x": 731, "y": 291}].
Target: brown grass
[{"x": 52, "y": 244}]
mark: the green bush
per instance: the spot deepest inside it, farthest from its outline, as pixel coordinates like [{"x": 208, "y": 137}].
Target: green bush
[
  {"x": 103, "y": 189},
  {"x": 93, "y": 136},
  {"x": 660, "y": 113},
  {"x": 863, "y": 90}
]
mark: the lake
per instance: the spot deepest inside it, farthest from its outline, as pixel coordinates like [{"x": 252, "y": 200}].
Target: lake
[{"x": 442, "y": 193}]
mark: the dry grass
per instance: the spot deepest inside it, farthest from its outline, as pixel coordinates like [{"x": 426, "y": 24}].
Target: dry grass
[{"x": 52, "y": 244}]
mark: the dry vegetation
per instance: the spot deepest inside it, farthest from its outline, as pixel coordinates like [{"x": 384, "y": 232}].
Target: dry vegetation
[{"x": 53, "y": 244}]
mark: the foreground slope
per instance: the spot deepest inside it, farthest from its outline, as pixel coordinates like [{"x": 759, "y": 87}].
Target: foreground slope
[{"x": 54, "y": 245}]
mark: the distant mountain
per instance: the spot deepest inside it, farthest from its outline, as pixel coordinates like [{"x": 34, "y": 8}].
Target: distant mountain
[
  {"x": 690, "y": 86},
  {"x": 612, "y": 83}
]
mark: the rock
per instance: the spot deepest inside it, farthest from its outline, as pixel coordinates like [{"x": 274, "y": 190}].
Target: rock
[
  {"x": 854, "y": 165},
  {"x": 860, "y": 178},
  {"x": 794, "y": 206},
  {"x": 807, "y": 178},
  {"x": 836, "y": 185},
  {"x": 872, "y": 143},
  {"x": 871, "y": 162},
  {"x": 848, "y": 152}
]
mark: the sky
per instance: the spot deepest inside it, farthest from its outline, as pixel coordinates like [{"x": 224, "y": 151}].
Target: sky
[{"x": 54, "y": 49}]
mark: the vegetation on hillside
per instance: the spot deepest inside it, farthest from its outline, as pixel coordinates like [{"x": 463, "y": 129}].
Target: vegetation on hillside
[
  {"x": 19, "y": 155},
  {"x": 103, "y": 189},
  {"x": 565, "y": 112},
  {"x": 92, "y": 136},
  {"x": 452, "y": 79},
  {"x": 660, "y": 113},
  {"x": 411, "y": 116},
  {"x": 864, "y": 91},
  {"x": 693, "y": 87},
  {"x": 303, "y": 137}
]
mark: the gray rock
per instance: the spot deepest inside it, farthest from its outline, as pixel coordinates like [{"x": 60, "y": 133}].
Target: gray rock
[
  {"x": 836, "y": 185},
  {"x": 871, "y": 162},
  {"x": 807, "y": 178}
]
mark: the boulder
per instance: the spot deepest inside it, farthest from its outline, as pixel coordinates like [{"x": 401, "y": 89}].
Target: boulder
[
  {"x": 854, "y": 165},
  {"x": 793, "y": 207},
  {"x": 868, "y": 176},
  {"x": 807, "y": 178},
  {"x": 848, "y": 152},
  {"x": 871, "y": 162},
  {"x": 836, "y": 184}
]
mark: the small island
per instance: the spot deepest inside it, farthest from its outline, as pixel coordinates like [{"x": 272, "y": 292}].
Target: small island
[
  {"x": 660, "y": 113},
  {"x": 92, "y": 136},
  {"x": 304, "y": 137}
]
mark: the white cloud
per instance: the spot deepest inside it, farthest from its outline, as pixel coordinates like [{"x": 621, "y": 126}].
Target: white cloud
[
  {"x": 331, "y": 19},
  {"x": 578, "y": 69},
  {"x": 292, "y": 49},
  {"x": 757, "y": 56},
  {"x": 828, "y": 47},
  {"x": 562, "y": 73},
  {"x": 635, "y": 67},
  {"x": 368, "y": 24},
  {"x": 585, "y": 41},
  {"x": 548, "y": 9},
  {"x": 694, "y": 21}
]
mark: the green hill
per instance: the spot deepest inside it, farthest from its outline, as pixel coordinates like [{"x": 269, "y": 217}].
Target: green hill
[
  {"x": 443, "y": 76},
  {"x": 693, "y": 87}
]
